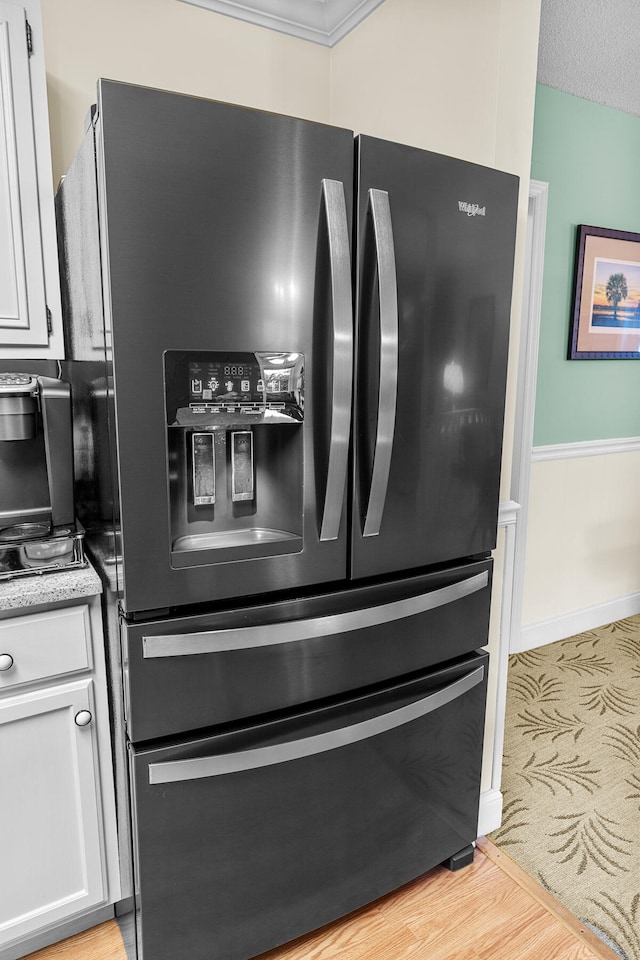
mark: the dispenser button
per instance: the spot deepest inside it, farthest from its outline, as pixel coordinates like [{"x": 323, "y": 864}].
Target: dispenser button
[
  {"x": 204, "y": 469},
  {"x": 241, "y": 465}
]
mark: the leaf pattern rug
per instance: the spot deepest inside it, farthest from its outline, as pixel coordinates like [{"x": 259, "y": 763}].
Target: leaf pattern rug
[{"x": 571, "y": 777}]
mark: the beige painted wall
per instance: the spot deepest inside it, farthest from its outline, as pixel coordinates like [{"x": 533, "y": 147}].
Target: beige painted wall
[
  {"x": 589, "y": 510},
  {"x": 173, "y": 46},
  {"x": 408, "y": 73}
]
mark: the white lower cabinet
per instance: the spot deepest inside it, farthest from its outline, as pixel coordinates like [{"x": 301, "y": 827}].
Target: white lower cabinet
[{"x": 57, "y": 820}]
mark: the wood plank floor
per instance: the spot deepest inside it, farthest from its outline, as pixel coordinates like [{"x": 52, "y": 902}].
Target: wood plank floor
[{"x": 489, "y": 911}]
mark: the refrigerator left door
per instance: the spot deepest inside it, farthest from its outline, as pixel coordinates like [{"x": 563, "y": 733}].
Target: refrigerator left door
[{"x": 226, "y": 263}]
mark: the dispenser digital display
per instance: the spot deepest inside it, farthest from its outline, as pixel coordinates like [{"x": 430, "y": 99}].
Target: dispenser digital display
[{"x": 211, "y": 381}]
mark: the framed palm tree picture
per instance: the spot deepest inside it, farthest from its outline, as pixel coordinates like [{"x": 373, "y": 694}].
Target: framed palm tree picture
[{"x": 606, "y": 296}]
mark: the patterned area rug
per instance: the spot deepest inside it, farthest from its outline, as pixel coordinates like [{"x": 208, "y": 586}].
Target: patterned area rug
[{"x": 571, "y": 777}]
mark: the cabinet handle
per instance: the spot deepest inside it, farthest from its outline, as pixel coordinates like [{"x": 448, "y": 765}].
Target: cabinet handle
[
  {"x": 83, "y": 718},
  {"x": 6, "y": 661}
]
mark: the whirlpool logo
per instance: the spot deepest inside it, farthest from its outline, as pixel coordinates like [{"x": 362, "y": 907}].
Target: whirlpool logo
[{"x": 471, "y": 209}]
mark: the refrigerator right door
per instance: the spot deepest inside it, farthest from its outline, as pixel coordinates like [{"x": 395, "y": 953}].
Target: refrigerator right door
[{"x": 435, "y": 246}]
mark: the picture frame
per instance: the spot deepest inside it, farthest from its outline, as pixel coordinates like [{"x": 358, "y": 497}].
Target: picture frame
[{"x": 605, "y": 316}]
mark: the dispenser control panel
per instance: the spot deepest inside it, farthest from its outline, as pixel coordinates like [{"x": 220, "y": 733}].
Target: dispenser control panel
[{"x": 211, "y": 387}]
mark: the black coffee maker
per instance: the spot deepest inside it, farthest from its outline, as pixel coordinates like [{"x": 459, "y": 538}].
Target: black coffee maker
[{"x": 38, "y": 531}]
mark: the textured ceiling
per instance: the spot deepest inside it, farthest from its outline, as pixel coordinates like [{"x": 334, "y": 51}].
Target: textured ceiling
[{"x": 590, "y": 48}]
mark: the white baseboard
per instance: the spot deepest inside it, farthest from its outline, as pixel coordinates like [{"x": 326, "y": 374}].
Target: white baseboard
[
  {"x": 490, "y": 815},
  {"x": 568, "y": 625}
]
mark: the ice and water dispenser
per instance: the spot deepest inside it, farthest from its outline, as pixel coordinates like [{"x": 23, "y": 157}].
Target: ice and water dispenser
[{"x": 235, "y": 451}]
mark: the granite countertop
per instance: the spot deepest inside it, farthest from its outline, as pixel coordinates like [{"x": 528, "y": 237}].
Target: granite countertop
[{"x": 47, "y": 588}]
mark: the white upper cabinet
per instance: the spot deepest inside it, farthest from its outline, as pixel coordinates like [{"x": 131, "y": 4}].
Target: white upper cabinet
[{"x": 30, "y": 313}]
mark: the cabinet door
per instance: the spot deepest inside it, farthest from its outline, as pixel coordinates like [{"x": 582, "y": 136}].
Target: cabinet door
[
  {"x": 51, "y": 863},
  {"x": 29, "y": 289}
]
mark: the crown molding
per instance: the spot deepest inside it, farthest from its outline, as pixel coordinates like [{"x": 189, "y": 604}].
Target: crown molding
[{"x": 320, "y": 21}]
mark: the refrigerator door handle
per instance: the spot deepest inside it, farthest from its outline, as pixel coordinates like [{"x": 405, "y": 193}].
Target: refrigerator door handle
[
  {"x": 342, "y": 373},
  {"x": 388, "y": 378},
  {"x": 198, "y": 768},
  {"x": 272, "y": 634}
]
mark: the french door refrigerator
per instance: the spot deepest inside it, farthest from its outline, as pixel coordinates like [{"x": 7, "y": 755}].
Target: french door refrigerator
[{"x": 288, "y": 349}]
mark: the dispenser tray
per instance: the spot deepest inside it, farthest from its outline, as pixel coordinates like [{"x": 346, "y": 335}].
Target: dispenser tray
[{"x": 251, "y": 536}]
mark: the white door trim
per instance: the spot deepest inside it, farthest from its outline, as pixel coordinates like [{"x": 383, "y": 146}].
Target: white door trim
[
  {"x": 526, "y": 392},
  {"x": 513, "y": 514}
]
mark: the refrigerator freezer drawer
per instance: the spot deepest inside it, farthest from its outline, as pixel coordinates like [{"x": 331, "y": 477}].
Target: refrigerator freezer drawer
[
  {"x": 250, "y": 661},
  {"x": 248, "y": 839}
]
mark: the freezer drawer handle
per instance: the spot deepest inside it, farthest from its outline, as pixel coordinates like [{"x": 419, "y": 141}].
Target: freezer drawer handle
[
  {"x": 342, "y": 376},
  {"x": 388, "y": 380},
  {"x": 270, "y": 634},
  {"x": 172, "y": 771}
]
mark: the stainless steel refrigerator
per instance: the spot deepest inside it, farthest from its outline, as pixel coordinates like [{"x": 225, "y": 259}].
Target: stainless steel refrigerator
[{"x": 288, "y": 351}]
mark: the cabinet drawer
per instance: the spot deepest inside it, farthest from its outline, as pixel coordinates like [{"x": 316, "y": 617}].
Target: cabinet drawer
[{"x": 44, "y": 645}]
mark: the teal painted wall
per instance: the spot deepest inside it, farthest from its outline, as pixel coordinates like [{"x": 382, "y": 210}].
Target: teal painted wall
[{"x": 590, "y": 157}]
